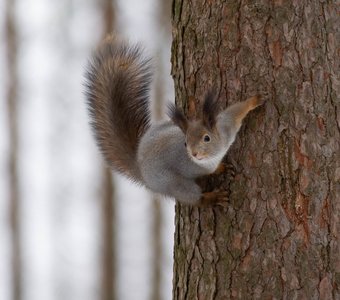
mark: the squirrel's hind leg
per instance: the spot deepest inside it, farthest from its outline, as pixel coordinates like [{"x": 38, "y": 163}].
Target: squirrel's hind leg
[
  {"x": 214, "y": 198},
  {"x": 185, "y": 190}
]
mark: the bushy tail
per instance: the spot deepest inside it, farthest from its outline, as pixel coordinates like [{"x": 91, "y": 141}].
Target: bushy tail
[{"x": 117, "y": 88}]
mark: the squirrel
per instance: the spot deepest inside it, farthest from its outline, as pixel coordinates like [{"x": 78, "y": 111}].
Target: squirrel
[{"x": 166, "y": 157}]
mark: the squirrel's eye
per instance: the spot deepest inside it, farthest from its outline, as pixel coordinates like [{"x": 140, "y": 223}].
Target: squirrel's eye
[
  {"x": 185, "y": 144},
  {"x": 206, "y": 138}
]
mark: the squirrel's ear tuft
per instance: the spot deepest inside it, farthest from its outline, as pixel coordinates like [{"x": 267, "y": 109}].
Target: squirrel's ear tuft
[
  {"x": 177, "y": 117},
  {"x": 210, "y": 109}
]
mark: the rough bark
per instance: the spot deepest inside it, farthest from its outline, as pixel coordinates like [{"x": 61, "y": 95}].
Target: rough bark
[
  {"x": 279, "y": 236},
  {"x": 14, "y": 204},
  {"x": 108, "y": 276}
]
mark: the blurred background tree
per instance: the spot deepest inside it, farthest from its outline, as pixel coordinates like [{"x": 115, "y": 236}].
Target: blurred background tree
[
  {"x": 109, "y": 219},
  {"x": 164, "y": 32},
  {"x": 75, "y": 235},
  {"x": 13, "y": 119}
]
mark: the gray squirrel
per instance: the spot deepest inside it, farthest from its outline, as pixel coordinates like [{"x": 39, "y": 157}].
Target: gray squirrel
[{"x": 166, "y": 157}]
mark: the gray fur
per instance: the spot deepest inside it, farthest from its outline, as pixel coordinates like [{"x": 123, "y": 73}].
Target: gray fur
[
  {"x": 165, "y": 165},
  {"x": 166, "y": 157}
]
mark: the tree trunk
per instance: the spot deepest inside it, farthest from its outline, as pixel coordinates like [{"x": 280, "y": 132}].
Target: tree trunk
[
  {"x": 14, "y": 205},
  {"x": 109, "y": 218},
  {"x": 279, "y": 236},
  {"x": 164, "y": 28},
  {"x": 108, "y": 276}
]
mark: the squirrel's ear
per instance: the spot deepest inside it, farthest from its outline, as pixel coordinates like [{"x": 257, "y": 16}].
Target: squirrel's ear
[
  {"x": 210, "y": 109},
  {"x": 177, "y": 117}
]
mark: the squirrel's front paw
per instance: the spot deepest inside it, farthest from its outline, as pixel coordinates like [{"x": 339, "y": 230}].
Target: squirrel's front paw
[
  {"x": 220, "y": 169},
  {"x": 225, "y": 167}
]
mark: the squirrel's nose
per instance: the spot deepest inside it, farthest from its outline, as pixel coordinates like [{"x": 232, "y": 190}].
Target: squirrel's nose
[{"x": 197, "y": 155}]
